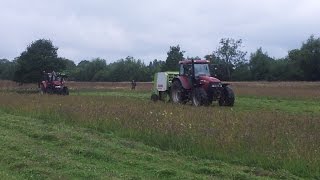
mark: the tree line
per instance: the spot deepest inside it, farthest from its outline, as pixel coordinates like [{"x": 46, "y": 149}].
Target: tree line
[{"x": 228, "y": 62}]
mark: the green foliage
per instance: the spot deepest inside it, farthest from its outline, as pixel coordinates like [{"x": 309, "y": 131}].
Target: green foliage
[
  {"x": 229, "y": 52},
  {"x": 241, "y": 72},
  {"x": 260, "y": 65},
  {"x": 228, "y": 63},
  {"x": 156, "y": 66},
  {"x": 129, "y": 69},
  {"x": 69, "y": 65},
  {"x": 39, "y": 56},
  {"x": 280, "y": 70},
  {"x": 218, "y": 68},
  {"x": 307, "y": 59},
  {"x": 7, "y": 69},
  {"x": 300, "y": 64},
  {"x": 122, "y": 70},
  {"x": 87, "y": 70},
  {"x": 175, "y": 54}
]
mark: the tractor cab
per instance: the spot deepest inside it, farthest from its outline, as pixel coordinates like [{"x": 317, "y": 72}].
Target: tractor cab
[
  {"x": 196, "y": 73},
  {"x": 201, "y": 68}
]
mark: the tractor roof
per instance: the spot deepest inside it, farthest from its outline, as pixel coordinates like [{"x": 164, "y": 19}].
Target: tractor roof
[{"x": 195, "y": 61}]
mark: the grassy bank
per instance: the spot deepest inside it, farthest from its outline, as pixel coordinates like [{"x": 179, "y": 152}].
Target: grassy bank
[
  {"x": 32, "y": 148},
  {"x": 261, "y": 137}
]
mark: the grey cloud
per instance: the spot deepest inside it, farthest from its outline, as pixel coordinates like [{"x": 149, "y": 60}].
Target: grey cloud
[{"x": 146, "y": 28}]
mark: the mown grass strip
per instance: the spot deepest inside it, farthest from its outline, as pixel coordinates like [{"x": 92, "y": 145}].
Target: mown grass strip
[{"x": 39, "y": 149}]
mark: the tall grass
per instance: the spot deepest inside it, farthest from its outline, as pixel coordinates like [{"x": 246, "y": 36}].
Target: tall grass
[
  {"x": 298, "y": 90},
  {"x": 272, "y": 140}
]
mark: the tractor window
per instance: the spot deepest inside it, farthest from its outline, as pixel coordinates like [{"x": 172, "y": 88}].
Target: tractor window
[
  {"x": 54, "y": 78},
  {"x": 181, "y": 69},
  {"x": 187, "y": 69},
  {"x": 49, "y": 76},
  {"x": 201, "y": 69}
]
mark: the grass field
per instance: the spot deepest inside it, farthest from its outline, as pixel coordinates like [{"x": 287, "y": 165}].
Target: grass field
[
  {"x": 262, "y": 136},
  {"x": 37, "y": 149}
]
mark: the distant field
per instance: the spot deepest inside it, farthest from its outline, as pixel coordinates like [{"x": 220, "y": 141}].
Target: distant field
[{"x": 273, "y": 126}]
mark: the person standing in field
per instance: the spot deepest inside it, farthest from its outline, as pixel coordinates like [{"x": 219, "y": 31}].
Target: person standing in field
[{"x": 133, "y": 85}]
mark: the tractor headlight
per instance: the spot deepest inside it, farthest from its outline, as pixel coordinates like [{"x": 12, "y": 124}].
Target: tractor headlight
[
  {"x": 216, "y": 85},
  {"x": 202, "y": 81}
]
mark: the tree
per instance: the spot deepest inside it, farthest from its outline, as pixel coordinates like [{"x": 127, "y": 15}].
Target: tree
[
  {"x": 129, "y": 69},
  {"x": 7, "y": 69},
  {"x": 155, "y": 66},
  {"x": 280, "y": 70},
  {"x": 39, "y": 56},
  {"x": 87, "y": 70},
  {"x": 230, "y": 53},
  {"x": 260, "y": 64},
  {"x": 69, "y": 64},
  {"x": 242, "y": 72},
  {"x": 174, "y": 56},
  {"x": 217, "y": 67},
  {"x": 307, "y": 59}
]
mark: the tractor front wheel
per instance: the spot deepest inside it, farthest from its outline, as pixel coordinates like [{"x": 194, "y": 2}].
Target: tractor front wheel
[
  {"x": 200, "y": 97},
  {"x": 227, "y": 97},
  {"x": 65, "y": 91}
]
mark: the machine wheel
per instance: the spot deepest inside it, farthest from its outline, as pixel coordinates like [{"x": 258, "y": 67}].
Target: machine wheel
[
  {"x": 177, "y": 93},
  {"x": 227, "y": 97},
  {"x": 164, "y": 96},
  {"x": 154, "y": 97},
  {"x": 200, "y": 97},
  {"x": 65, "y": 91}
]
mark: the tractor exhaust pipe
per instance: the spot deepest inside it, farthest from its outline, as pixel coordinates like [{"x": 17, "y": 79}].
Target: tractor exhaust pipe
[{"x": 193, "y": 73}]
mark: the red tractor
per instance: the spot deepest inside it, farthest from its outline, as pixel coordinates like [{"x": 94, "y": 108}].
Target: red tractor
[
  {"x": 53, "y": 83},
  {"x": 194, "y": 83}
]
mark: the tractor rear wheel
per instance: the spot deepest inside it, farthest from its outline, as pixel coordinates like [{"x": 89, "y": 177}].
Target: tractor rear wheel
[
  {"x": 227, "y": 97},
  {"x": 200, "y": 97},
  {"x": 177, "y": 93}
]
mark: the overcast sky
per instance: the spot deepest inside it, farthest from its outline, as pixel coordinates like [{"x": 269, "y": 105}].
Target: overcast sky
[{"x": 145, "y": 29}]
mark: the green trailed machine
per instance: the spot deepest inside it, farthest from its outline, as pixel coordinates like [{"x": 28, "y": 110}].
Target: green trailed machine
[{"x": 162, "y": 84}]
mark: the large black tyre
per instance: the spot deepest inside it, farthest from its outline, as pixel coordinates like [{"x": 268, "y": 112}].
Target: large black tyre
[
  {"x": 154, "y": 97},
  {"x": 200, "y": 97},
  {"x": 227, "y": 97},
  {"x": 49, "y": 90},
  {"x": 65, "y": 91},
  {"x": 164, "y": 96},
  {"x": 177, "y": 95}
]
